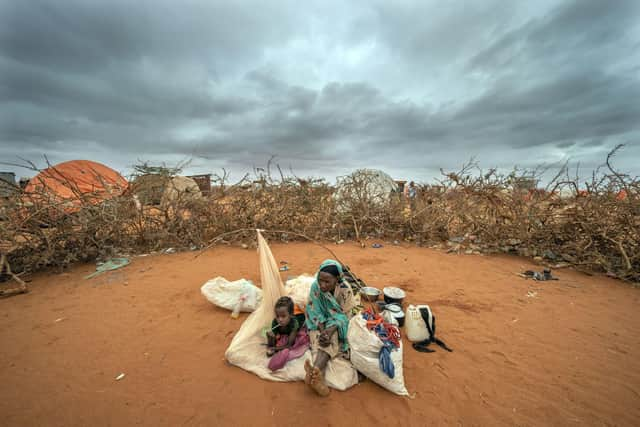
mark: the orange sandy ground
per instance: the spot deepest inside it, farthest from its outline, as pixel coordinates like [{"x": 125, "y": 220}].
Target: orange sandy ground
[{"x": 566, "y": 356}]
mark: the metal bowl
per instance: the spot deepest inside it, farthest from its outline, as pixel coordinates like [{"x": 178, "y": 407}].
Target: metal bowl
[
  {"x": 393, "y": 295},
  {"x": 396, "y": 312},
  {"x": 370, "y": 294},
  {"x": 394, "y": 308}
]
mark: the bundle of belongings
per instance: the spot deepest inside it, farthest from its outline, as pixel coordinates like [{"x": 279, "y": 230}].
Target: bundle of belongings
[
  {"x": 278, "y": 341},
  {"x": 389, "y": 334},
  {"x": 376, "y": 351},
  {"x": 240, "y": 295}
]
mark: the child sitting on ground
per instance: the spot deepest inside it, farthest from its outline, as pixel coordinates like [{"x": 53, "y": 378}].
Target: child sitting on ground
[{"x": 288, "y": 338}]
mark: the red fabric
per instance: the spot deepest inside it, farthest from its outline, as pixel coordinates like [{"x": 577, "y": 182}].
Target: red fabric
[{"x": 298, "y": 348}]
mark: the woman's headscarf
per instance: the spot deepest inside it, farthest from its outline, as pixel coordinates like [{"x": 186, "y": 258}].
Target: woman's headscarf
[{"x": 323, "y": 307}]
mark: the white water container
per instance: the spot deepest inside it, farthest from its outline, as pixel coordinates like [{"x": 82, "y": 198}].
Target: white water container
[{"x": 415, "y": 327}]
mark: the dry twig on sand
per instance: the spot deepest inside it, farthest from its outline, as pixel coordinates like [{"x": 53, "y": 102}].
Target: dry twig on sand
[{"x": 5, "y": 268}]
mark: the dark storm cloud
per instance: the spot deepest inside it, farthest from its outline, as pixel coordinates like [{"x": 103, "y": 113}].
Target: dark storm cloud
[
  {"x": 581, "y": 105},
  {"x": 548, "y": 80},
  {"x": 390, "y": 85},
  {"x": 88, "y": 35},
  {"x": 576, "y": 34}
]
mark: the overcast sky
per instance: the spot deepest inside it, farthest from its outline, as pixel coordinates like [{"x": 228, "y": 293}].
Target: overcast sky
[{"x": 327, "y": 87}]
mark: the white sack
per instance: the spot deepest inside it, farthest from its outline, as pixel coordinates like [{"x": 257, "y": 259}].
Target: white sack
[
  {"x": 298, "y": 289},
  {"x": 225, "y": 294},
  {"x": 365, "y": 347},
  {"x": 340, "y": 374}
]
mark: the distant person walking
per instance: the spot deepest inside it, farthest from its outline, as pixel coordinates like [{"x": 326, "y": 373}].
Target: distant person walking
[{"x": 411, "y": 192}]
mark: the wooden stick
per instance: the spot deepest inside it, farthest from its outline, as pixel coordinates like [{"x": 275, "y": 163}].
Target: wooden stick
[{"x": 21, "y": 289}]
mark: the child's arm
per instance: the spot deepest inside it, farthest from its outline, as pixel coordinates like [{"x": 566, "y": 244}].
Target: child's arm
[
  {"x": 271, "y": 339},
  {"x": 290, "y": 340},
  {"x": 271, "y": 342}
]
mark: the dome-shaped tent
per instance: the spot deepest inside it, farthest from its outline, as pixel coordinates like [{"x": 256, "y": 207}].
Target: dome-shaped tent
[
  {"x": 181, "y": 188},
  {"x": 74, "y": 182},
  {"x": 368, "y": 186},
  {"x": 149, "y": 188},
  {"x": 155, "y": 189}
]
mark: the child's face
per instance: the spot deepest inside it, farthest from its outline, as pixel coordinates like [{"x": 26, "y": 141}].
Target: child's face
[{"x": 282, "y": 316}]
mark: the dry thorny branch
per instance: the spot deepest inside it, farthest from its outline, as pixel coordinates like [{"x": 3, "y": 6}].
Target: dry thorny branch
[{"x": 595, "y": 229}]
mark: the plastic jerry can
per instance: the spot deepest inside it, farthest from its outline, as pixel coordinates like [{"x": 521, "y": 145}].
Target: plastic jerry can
[{"x": 415, "y": 327}]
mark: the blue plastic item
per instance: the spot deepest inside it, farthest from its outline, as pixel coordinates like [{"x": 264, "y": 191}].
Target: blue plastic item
[
  {"x": 112, "y": 264},
  {"x": 386, "y": 365}
]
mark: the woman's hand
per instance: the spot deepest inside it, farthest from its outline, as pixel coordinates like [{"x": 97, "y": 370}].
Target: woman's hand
[{"x": 325, "y": 336}]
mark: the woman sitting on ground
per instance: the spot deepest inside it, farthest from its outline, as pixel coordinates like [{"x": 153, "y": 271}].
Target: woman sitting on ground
[{"x": 331, "y": 303}]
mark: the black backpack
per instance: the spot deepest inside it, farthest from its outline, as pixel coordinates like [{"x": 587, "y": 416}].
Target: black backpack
[{"x": 430, "y": 320}]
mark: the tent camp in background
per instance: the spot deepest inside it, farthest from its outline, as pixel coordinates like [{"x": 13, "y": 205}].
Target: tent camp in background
[
  {"x": 204, "y": 182},
  {"x": 364, "y": 187},
  {"x": 74, "y": 183},
  {"x": 181, "y": 188},
  {"x": 8, "y": 188},
  {"x": 157, "y": 189},
  {"x": 7, "y": 184}
]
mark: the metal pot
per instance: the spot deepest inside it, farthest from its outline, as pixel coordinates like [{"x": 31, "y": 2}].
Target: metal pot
[
  {"x": 396, "y": 311},
  {"x": 393, "y": 295},
  {"x": 370, "y": 294}
]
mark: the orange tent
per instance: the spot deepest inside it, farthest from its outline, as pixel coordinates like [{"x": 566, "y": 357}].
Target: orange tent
[{"x": 76, "y": 180}]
